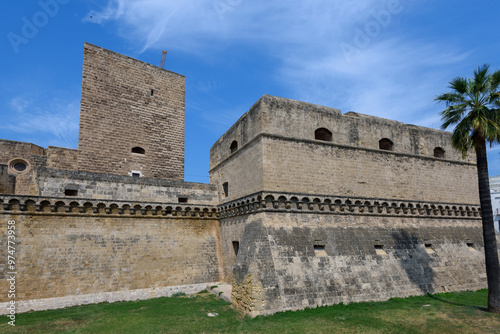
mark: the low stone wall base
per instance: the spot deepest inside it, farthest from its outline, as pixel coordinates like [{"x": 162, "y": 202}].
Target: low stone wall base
[{"x": 110, "y": 297}]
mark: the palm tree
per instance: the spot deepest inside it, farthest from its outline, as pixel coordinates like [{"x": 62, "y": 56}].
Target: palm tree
[{"x": 474, "y": 106}]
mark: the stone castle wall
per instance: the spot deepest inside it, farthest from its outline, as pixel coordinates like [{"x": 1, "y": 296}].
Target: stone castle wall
[
  {"x": 278, "y": 151},
  {"x": 299, "y": 166},
  {"x": 306, "y": 206},
  {"x": 129, "y": 104},
  {"x": 56, "y": 183},
  {"x": 62, "y": 158},
  {"x": 289, "y": 118},
  {"x": 34, "y": 157},
  {"x": 7, "y": 181},
  {"x": 243, "y": 173},
  {"x": 297, "y": 252},
  {"x": 73, "y": 251},
  {"x": 10, "y": 149}
]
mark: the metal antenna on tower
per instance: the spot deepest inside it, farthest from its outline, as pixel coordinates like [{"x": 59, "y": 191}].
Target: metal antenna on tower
[{"x": 163, "y": 57}]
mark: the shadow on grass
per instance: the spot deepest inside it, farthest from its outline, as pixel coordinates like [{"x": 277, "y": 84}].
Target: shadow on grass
[{"x": 480, "y": 308}]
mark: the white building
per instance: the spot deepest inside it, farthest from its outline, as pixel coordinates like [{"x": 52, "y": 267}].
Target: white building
[{"x": 495, "y": 199}]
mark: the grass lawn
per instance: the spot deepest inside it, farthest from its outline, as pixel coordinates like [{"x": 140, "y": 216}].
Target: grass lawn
[{"x": 463, "y": 312}]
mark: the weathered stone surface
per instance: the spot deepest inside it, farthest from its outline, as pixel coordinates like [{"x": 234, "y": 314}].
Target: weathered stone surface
[
  {"x": 127, "y": 103},
  {"x": 109, "y": 297},
  {"x": 364, "y": 258},
  {"x": 277, "y": 151},
  {"x": 54, "y": 182},
  {"x": 7, "y": 181},
  {"x": 62, "y": 254},
  {"x": 306, "y": 206}
]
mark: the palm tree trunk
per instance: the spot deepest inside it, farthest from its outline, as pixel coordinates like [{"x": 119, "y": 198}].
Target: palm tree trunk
[{"x": 489, "y": 235}]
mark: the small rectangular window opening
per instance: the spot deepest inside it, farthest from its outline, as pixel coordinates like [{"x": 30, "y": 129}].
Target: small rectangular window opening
[
  {"x": 471, "y": 246},
  {"x": 152, "y": 92},
  {"x": 319, "y": 250},
  {"x": 379, "y": 249},
  {"x": 182, "y": 199},
  {"x": 429, "y": 249},
  {"x": 136, "y": 175},
  {"x": 225, "y": 188},
  {"x": 236, "y": 247},
  {"x": 70, "y": 192}
]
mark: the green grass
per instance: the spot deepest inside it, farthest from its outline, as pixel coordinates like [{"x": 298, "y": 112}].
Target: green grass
[{"x": 463, "y": 312}]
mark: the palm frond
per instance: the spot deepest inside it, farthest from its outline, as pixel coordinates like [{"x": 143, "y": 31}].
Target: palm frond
[
  {"x": 473, "y": 106},
  {"x": 459, "y": 85}
]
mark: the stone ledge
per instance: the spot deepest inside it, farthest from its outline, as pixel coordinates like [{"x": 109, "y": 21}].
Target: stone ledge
[
  {"x": 221, "y": 290},
  {"x": 110, "y": 297},
  {"x": 122, "y": 179}
]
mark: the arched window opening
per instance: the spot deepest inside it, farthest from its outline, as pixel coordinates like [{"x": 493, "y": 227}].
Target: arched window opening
[
  {"x": 439, "y": 152},
  {"x": 323, "y": 134},
  {"x": 234, "y": 146},
  {"x": 385, "y": 144},
  {"x": 138, "y": 150}
]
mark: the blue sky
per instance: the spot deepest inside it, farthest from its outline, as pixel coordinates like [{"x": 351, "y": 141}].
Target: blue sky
[{"x": 377, "y": 57}]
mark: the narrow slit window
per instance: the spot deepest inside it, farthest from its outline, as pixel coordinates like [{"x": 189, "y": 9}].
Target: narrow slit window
[
  {"x": 471, "y": 246},
  {"x": 138, "y": 150},
  {"x": 152, "y": 92},
  {"x": 225, "y": 189},
  {"x": 236, "y": 247}
]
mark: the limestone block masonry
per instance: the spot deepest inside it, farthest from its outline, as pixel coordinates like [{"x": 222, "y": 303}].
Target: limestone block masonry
[
  {"x": 90, "y": 251},
  {"x": 56, "y": 183},
  {"x": 306, "y": 206},
  {"x": 132, "y": 117}
]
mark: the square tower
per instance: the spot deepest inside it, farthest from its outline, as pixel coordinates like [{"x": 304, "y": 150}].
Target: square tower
[{"x": 131, "y": 117}]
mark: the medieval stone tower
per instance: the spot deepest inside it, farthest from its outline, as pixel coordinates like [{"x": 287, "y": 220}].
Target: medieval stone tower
[{"x": 132, "y": 117}]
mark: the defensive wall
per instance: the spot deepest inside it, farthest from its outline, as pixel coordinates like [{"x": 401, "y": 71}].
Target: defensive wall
[
  {"x": 306, "y": 206},
  {"x": 319, "y": 207},
  {"x": 297, "y": 250},
  {"x": 64, "y": 183},
  {"x": 79, "y": 251},
  {"x": 275, "y": 146},
  {"x": 22, "y": 159}
]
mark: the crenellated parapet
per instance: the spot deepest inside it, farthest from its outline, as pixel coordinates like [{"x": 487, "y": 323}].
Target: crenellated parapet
[
  {"x": 306, "y": 203},
  {"x": 36, "y": 205}
]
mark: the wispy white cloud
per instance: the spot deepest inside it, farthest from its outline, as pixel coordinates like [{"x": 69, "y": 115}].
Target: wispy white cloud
[
  {"x": 192, "y": 24},
  {"x": 394, "y": 75},
  {"x": 19, "y": 104},
  {"x": 58, "y": 119}
]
